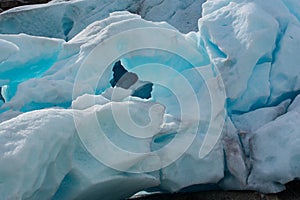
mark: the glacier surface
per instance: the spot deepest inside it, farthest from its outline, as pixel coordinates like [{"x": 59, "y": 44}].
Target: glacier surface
[{"x": 65, "y": 133}]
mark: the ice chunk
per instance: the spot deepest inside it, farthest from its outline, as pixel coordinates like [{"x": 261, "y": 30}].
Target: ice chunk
[
  {"x": 35, "y": 153},
  {"x": 65, "y": 19},
  {"x": 88, "y": 100},
  {"x": 251, "y": 121},
  {"x": 38, "y": 155},
  {"x": 254, "y": 55},
  {"x": 285, "y": 79},
  {"x": 25, "y": 57},
  {"x": 237, "y": 169},
  {"x": 275, "y": 157},
  {"x": 57, "y": 82},
  {"x": 236, "y": 43}
]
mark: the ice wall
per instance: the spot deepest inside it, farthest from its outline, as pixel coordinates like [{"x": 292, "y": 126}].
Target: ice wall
[
  {"x": 65, "y": 19},
  {"x": 253, "y": 44},
  {"x": 87, "y": 177}
]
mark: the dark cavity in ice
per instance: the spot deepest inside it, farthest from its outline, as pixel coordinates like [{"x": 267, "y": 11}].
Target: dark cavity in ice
[{"x": 124, "y": 79}]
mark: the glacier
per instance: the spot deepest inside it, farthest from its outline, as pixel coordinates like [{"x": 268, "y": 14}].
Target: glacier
[{"x": 224, "y": 107}]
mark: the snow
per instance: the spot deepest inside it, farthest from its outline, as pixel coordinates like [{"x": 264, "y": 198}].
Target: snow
[{"x": 223, "y": 112}]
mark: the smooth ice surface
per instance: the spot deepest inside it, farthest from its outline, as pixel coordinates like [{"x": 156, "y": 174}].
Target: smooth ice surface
[{"x": 54, "y": 99}]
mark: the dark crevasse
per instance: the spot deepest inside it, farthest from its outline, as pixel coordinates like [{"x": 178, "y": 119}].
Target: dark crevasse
[
  {"x": 1, "y": 97},
  {"x": 124, "y": 79}
]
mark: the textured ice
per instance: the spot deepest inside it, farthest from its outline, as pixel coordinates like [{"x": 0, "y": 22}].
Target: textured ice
[
  {"x": 260, "y": 57},
  {"x": 27, "y": 171},
  {"x": 43, "y": 153},
  {"x": 65, "y": 19},
  {"x": 35, "y": 174},
  {"x": 275, "y": 149}
]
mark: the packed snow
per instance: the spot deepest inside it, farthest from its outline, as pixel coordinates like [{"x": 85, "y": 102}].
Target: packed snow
[{"x": 193, "y": 107}]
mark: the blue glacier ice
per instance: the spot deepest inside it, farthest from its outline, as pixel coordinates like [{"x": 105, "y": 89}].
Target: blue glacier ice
[{"x": 223, "y": 112}]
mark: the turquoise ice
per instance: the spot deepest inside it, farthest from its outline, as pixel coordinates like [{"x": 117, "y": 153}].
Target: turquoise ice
[{"x": 55, "y": 98}]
